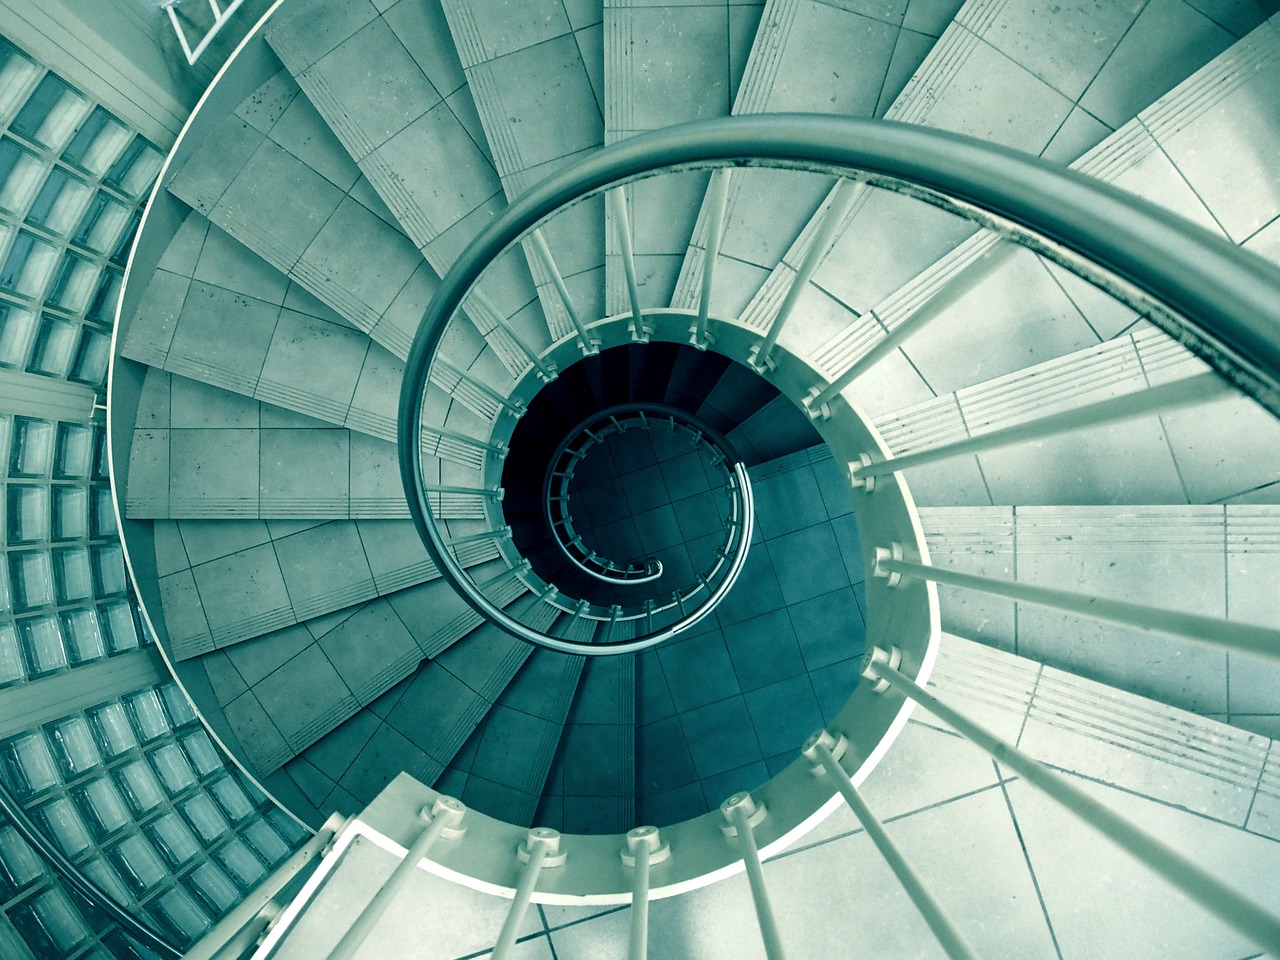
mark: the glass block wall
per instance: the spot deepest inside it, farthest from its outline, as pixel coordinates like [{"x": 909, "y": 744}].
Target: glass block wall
[{"x": 131, "y": 789}]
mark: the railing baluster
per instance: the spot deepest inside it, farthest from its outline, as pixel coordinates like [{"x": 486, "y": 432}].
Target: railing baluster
[
  {"x": 540, "y": 850},
  {"x": 443, "y": 819},
  {"x": 824, "y": 751},
  {"x": 617, "y": 200},
  {"x": 1229, "y": 906},
  {"x": 516, "y": 410},
  {"x": 1180, "y": 393},
  {"x": 586, "y": 342},
  {"x": 890, "y": 565},
  {"x": 846, "y": 195},
  {"x": 644, "y": 848},
  {"x": 744, "y": 815},
  {"x": 718, "y": 200}
]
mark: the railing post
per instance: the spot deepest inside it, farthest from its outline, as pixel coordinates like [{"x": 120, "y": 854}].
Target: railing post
[
  {"x": 892, "y": 566},
  {"x": 1229, "y": 906},
  {"x": 443, "y": 820},
  {"x": 540, "y": 849},
  {"x": 824, "y": 752},
  {"x": 718, "y": 200},
  {"x": 644, "y": 848},
  {"x": 743, "y": 815},
  {"x": 588, "y": 344},
  {"x": 546, "y": 371},
  {"x": 845, "y": 196},
  {"x": 1200, "y": 388},
  {"x": 617, "y": 200}
]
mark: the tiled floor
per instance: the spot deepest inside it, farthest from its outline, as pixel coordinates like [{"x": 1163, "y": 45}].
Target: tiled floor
[{"x": 727, "y": 708}]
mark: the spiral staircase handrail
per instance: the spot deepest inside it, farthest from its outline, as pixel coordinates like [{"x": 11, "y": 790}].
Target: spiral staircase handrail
[{"x": 1221, "y": 302}]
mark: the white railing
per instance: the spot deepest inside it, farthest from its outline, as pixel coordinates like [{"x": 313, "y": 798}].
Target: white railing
[{"x": 221, "y": 15}]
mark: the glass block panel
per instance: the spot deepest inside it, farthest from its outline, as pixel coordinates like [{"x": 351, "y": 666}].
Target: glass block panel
[
  {"x": 74, "y": 451},
  {"x": 205, "y": 818},
  {"x": 174, "y": 840},
  {"x": 11, "y": 665},
  {"x": 266, "y": 842},
  {"x": 71, "y": 576},
  {"x": 17, "y": 327},
  {"x": 125, "y": 244},
  {"x": 70, "y": 518},
  {"x": 212, "y": 886},
  {"x": 28, "y": 765},
  {"x": 177, "y": 704},
  {"x": 137, "y": 167},
  {"x": 50, "y": 924},
  {"x": 100, "y": 805},
  {"x": 180, "y": 912},
  {"x": 256, "y": 796},
  {"x": 55, "y": 342},
  {"x": 77, "y": 281},
  {"x": 102, "y": 518},
  {"x": 32, "y": 452},
  {"x": 292, "y": 831},
  {"x": 202, "y": 753},
  {"x": 30, "y": 265},
  {"x": 98, "y": 143},
  {"x": 52, "y": 114},
  {"x": 102, "y": 225},
  {"x": 140, "y": 787},
  {"x": 138, "y": 863},
  {"x": 60, "y": 205},
  {"x": 121, "y": 628},
  {"x": 231, "y": 799},
  {"x": 104, "y": 875},
  {"x": 241, "y": 864},
  {"x": 72, "y": 746},
  {"x": 111, "y": 729},
  {"x": 12, "y": 945},
  {"x": 98, "y": 455},
  {"x": 21, "y": 173},
  {"x": 42, "y": 645},
  {"x": 92, "y": 356},
  {"x": 172, "y": 766},
  {"x": 19, "y": 864},
  {"x": 83, "y": 636},
  {"x": 28, "y": 513},
  {"x": 18, "y": 76},
  {"x": 31, "y": 579},
  {"x": 103, "y": 308},
  {"x": 62, "y": 822},
  {"x": 108, "y": 569},
  {"x": 147, "y": 715}
]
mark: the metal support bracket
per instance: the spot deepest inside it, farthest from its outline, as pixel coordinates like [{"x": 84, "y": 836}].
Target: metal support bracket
[{"x": 892, "y": 658}]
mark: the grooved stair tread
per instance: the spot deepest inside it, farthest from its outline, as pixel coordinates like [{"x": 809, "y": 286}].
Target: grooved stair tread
[{"x": 297, "y": 200}]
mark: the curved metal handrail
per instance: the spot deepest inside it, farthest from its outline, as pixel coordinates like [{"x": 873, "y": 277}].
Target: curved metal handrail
[{"x": 1215, "y": 298}]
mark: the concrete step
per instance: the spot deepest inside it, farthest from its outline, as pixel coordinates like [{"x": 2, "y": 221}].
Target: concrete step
[
  {"x": 1202, "y": 559},
  {"x": 226, "y": 581},
  {"x": 665, "y": 64},
  {"x": 504, "y": 764},
  {"x": 536, "y": 81}
]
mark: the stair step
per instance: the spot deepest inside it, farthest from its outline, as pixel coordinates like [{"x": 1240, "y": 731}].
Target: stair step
[
  {"x": 285, "y": 572},
  {"x": 775, "y": 430},
  {"x": 592, "y": 785},
  {"x": 298, "y": 201},
  {"x": 1203, "y": 559},
  {"x": 503, "y": 766},
  {"x": 787, "y": 71},
  {"x": 524, "y": 82},
  {"x": 663, "y": 65}
]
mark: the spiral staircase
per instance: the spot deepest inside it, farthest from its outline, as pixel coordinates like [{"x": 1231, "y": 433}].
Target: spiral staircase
[{"x": 314, "y": 206}]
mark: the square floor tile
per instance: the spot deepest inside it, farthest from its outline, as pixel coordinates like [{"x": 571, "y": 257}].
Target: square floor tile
[
  {"x": 808, "y": 563},
  {"x": 662, "y": 758},
  {"x": 671, "y": 806},
  {"x": 829, "y": 628},
  {"x": 698, "y": 670},
  {"x": 834, "y": 685},
  {"x": 653, "y": 698},
  {"x": 722, "y": 786},
  {"x": 632, "y": 451},
  {"x": 685, "y": 476},
  {"x": 658, "y": 528},
  {"x": 788, "y": 502},
  {"x": 699, "y": 515},
  {"x": 720, "y": 737},
  {"x": 757, "y": 590},
  {"x": 764, "y": 650},
  {"x": 784, "y": 713},
  {"x": 645, "y": 489}
]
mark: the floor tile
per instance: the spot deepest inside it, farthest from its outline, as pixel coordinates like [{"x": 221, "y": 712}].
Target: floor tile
[
  {"x": 829, "y": 628},
  {"x": 720, "y": 737},
  {"x": 784, "y": 714},
  {"x": 662, "y": 759},
  {"x": 808, "y": 563},
  {"x": 698, "y": 670},
  {"x": 764, "y": 650}
]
